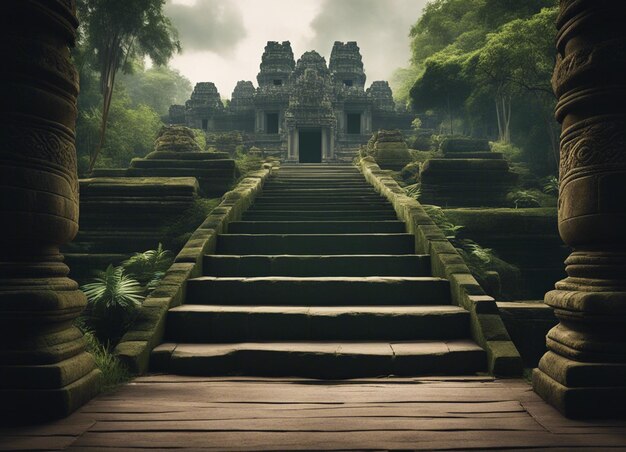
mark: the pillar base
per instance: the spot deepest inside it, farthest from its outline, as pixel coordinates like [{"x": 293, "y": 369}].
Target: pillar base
[
  {"x": 21, "y": 406},
  {"x": 581, "y": 402}
]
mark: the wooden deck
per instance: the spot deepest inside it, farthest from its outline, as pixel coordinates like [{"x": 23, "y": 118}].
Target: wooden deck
[{"x": 165, "y": 411}]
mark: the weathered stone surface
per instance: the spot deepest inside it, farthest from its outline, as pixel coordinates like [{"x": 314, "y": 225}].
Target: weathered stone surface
[
  {"x": 525, "y": 238},
  {"x": 389, "y": 149},
  {"x": 487, "y": 328},
  {"x": 464, "y": 145},
  {"x": 135, "y": 347},
  {"x": 468, "y": 182},
  {"x": 176, "y": 139},
  {"x": 272, "y": 117},
  {"x": 44, "y": 369},
  {"x": 577, "y": 375},
  {"x": 120, "y": 216},
  {"x": 528, "y": 323}
]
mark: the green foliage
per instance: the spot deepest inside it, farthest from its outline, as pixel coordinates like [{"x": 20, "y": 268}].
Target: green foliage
[
  {"x": 113, "y": 371},
  {"x": 246, "y": 163},
  {"x": 511, "y": 152},
  {"x": 484, "y": 66},
  {"x": 112, "y": 301},
  {"x": 439, "y": 217},
  {"x": 414, "y": 191},
  {"x": 118, "y": 34},
  {"x": 401, "y": 82},
  {"x": 551, "y": 185},
  {"x": 131, "y": 132},
  {"x": 157, "y": 87},
  {"x": 480, "y": 261},
  {"x": 178, "y": 231},
  {"x": 200, "y": 138},
  {"x": 523, "y": 199},
  {"x": 150, "y": 266}
]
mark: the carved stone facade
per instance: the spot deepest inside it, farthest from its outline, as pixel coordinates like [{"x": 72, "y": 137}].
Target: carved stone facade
[
  {"x": 310, "y": 105},
  {"x": 44, "y": 369},
  {"x": 583, "y": 373}
]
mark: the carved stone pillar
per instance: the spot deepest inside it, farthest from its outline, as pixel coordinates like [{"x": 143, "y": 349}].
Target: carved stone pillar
[
  {"x": 44, "y": 369},
  {"x": 583, "y": 374}
]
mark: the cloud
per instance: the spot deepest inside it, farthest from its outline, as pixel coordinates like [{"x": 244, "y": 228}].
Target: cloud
[
  {"x": 381, "y": 29},
  {"x": 207, "y": 25}
]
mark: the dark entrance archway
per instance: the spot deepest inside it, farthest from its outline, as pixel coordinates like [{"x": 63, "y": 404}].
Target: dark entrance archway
[{"x": 310, "y": 145}]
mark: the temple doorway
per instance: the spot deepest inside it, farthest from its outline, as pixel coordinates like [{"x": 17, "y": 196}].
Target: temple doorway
[{"x": 310, "y": 145}]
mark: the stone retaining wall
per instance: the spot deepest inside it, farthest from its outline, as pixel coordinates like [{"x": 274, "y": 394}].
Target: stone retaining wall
[
  {"x": 487, "y": 327},
  {"x": 147, "y": 331}
]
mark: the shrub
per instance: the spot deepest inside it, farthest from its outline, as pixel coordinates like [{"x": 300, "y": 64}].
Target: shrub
[
  {"x": 551, "y": 185},
  {"x": 146, "y": 266},
  {"x": 523, "y": 199},
  {"x": 112, "y": 301},
  {"x": 414, "y": 191},
  {"x": 113, "y": 371},
  {"x": 511, "y": 152},
  {"x": 246, "y": 163}
]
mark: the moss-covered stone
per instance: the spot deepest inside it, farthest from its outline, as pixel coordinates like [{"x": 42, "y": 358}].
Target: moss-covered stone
[
  {"x": 147, "y": 332},
  {"x": 487, "y": 328},
  {"x": 176, "y": 139}
]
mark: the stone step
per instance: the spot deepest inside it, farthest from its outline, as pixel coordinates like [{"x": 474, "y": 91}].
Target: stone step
[
  {"x": 317, "y": 183},
  {"x": 317, "y": 191},
  {"x": 219, "y": 323},
  {"x": 380, "y": 206},
  {"x": 346, "y": 265},
  {"x": 315, "y": 244},
  {"x": 337, "y": 215},
  {"x": 315, "y": 227},
  {"x": 319, "y": 291},
  {"x": 328, "y": 360},
  {"x": 267, "y": 198}
]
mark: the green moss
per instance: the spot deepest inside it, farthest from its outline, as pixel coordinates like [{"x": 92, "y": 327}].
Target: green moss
[{"x": 177, "y": 232}]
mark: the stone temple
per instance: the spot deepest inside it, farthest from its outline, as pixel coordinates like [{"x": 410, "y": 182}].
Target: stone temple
[{"x": 304, "y": 111}]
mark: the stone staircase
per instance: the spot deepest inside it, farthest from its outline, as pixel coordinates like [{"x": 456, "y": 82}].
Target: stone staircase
[{"x": 320, "y": 280}]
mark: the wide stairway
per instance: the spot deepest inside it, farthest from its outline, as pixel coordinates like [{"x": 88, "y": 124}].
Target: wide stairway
[{"x": 320, "y": 280}]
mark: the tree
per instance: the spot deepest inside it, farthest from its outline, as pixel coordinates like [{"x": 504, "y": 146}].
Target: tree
[
  {"x": 442, "y": 86},
  {"x": 115, "y": 32},
  {"x": 130, "y": 133},
  {"x": 493, "y": 59},
  {"x": 518, "y": 60},
  {"x": 157, "y": 87}
]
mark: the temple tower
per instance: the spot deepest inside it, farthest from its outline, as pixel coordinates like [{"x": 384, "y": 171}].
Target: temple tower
[
  {"x": 346, "y": 64},
  {"x": 272, "y": 97},
  {"x": 204, "y": 106}
]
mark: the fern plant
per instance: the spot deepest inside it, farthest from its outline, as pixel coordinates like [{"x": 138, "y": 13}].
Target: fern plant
[
  {"x": 414, "y": 191},
  {"x": 523, "y": 198},
  {"x": 112, "y": 301},
  {"x": 551, "y": 185},
  {"x": 147, "y": 265}
]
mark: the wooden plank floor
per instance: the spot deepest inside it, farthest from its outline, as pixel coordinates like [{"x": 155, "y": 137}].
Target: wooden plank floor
[{"x": 173, "y": 412}]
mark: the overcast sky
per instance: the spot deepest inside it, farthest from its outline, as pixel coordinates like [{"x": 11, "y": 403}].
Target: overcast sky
[{"x": 223, "y": 40}]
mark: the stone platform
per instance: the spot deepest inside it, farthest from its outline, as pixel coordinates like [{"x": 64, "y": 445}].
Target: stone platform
[
  {"x": 469, "y": 175},
  {"x": 123, "y": 215}
]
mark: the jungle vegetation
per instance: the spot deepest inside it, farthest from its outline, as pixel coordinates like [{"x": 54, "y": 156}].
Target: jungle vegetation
[{"x": 483, "y": 68}]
